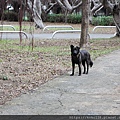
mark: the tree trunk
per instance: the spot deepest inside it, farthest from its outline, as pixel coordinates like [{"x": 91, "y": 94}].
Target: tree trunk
[
  {"x": 115, "y": 9},
  {"x": 116, "y": 18},
  {"x": 36, "y": 12},
  {"x": 85, "y": 23},
  {"x": 2, "y": 8}
]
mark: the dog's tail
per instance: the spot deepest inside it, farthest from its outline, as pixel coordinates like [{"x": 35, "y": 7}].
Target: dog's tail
[{"x": 91, "y": 63}]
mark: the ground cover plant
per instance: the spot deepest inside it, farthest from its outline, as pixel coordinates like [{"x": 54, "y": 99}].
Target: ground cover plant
[{"x": 23, "y": 70}]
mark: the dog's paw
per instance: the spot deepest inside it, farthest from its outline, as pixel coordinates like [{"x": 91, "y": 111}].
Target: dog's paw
[{"x": 71, "y": 74}]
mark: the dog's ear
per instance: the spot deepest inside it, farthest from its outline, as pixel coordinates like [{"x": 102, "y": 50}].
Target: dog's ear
[
  {"x": 78, "y": 47},
  {"x": 71, "y": 46}
]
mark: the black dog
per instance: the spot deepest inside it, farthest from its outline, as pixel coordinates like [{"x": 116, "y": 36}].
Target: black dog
[{"x": 79, "y": 57}]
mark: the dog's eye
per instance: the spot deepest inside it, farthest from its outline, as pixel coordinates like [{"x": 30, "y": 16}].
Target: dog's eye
[{"x": 75, "y": 52}]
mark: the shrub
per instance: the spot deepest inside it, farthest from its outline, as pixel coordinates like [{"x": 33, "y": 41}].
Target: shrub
[
  {"x": 11, "y": 16},
  {"x": 77, "y": 18},
  {"x": 74, "y": 18},
  {"x": 103, "y": 20},
  {"x": 71, "y": 18},
  {"x": 55, "y": 18}
]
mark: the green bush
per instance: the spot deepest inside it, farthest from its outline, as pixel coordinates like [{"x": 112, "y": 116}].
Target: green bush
[
  {"x": 55, "y": 18},
  {"x": 74, "y": 18},
  {"x": 103, "y": 20},
  {"x": 10, "y": 16},
  {"x": 77, "y": 18},
  {"x": 71, "y": 18}
]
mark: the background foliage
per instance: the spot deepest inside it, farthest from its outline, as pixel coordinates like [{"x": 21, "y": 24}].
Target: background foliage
[
  {"x": 77, "y": 18},
  {"x": 70, "y": 18}
]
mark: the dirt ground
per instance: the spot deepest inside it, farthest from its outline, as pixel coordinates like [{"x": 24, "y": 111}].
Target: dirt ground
[{"x": 23, "y": 70}]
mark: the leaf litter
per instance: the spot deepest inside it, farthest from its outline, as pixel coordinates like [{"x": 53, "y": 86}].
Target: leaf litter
[{"x": 24, "y": 70}]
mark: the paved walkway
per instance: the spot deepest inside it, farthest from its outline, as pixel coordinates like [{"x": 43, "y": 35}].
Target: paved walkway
[
  {"x": 57, "y": 36},
  {"x": 97, "y": 93}
]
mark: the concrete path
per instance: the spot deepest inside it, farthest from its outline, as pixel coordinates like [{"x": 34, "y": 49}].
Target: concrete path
[
  {"x": 97, "y": 93},
  {"x": 57, "y": 36}
]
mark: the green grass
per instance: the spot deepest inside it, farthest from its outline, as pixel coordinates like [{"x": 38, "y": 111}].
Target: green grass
[
  {"x": 98, "y": 47},
  {"x": 25, "y": 28},
  {"x": 104, "y": 46},
  {"x": 1, "y": 60},
  {"x": 15, "y": 45},
  {"x": 97, "y": 53}
]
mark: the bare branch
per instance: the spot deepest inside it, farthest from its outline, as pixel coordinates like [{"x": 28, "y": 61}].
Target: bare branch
[
  {"x": 107, "y": 4},
  {"x": 97, "y": 5},
  {"x": 36, "y": 12},
  {"x": 78, "y": 5},
  {"x": 52, "y": 5},
  {"x": 65, "y": 4},
  {"x": 61, "y": 4}
]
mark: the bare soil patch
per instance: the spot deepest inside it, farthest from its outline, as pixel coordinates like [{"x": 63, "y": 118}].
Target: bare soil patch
[{"x": 22, "y": 69}]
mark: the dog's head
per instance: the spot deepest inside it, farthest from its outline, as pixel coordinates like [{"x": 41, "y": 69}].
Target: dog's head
[{"x": 75, "y": 50}]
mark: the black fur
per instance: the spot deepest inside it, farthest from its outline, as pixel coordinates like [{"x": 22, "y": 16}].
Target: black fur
[{"x": 80, "y": 57}]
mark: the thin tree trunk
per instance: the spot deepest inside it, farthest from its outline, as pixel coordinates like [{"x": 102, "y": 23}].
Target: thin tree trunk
[
  {"x": 85, "y": 23},
  {"x": 35, "y": 8},
  {"x": 115, "y": 9},
  {"x": 116, "y": 18}
]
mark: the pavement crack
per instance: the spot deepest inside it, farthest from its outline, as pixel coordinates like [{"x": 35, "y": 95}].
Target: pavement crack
[
  {"x": 61, "y": 94},
  {"x": 61, "y": 104}
]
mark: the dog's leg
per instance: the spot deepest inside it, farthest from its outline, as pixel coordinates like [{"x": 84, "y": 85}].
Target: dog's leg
[
  {"x": 87, "y": 62},
  {"x": 79, "y": 69},
  {"x": 73, "y": 67},
  {"x": 83, "y": 63}
]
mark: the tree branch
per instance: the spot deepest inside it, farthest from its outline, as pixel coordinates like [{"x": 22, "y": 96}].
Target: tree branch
[
  {"x": 107, "y": 4},
  {"x": 67, "y": 6},
  {"x": 35, "y": 8},
  {"x": 61, "y": 4},
  {"x": 52, "y": 5},
  {"x": 97, "y": 5}
]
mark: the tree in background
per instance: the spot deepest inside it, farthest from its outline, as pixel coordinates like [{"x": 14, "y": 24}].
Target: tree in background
[
  {"x": 37, "y": 7},
  {"x": 85, "y": 23},
  {"x": 114, "y": 7},
  {"x": 2, "y": 8}
]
